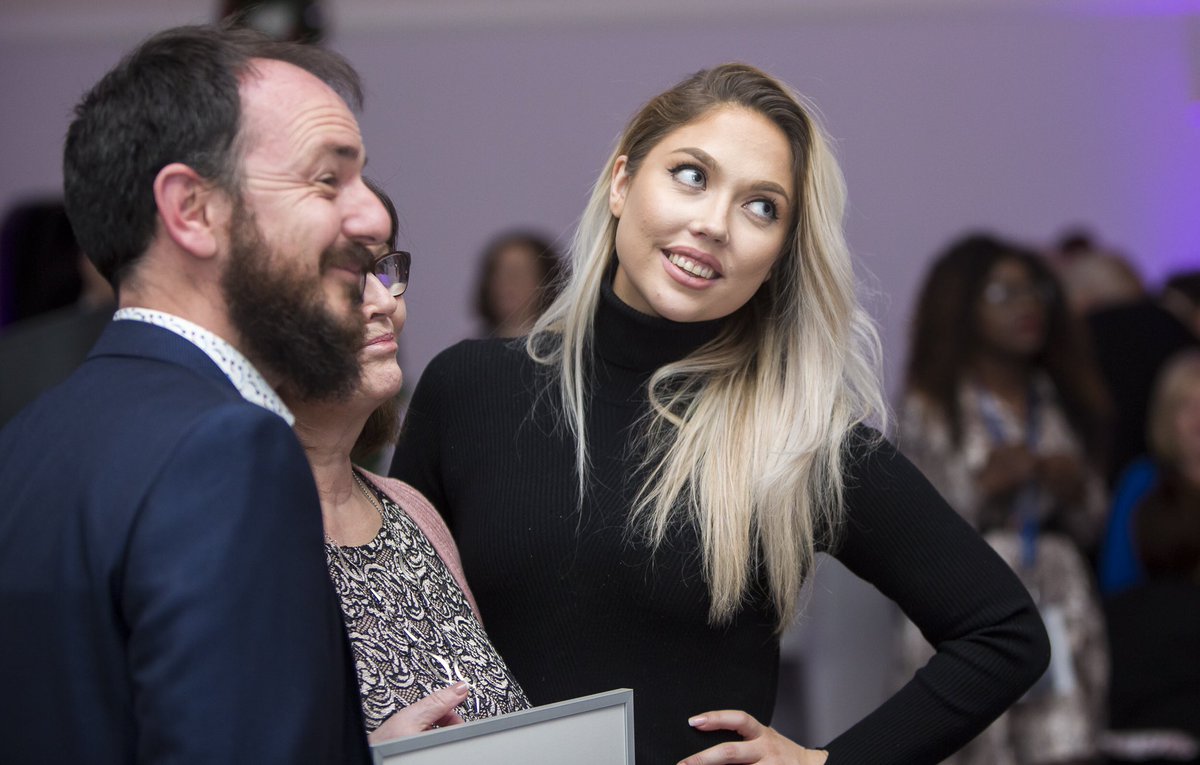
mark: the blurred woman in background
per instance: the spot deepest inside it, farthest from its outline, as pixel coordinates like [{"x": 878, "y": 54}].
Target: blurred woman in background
[
  {"x": 1004, "y": 408},
  {"x": 517, "y": 281},
  {"x": 1005, "y": 413},
  {"x": 1154, "y": 626}
]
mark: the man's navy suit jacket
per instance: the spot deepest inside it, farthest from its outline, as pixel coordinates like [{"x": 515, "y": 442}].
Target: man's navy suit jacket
[{"x": 163, "y": 592}]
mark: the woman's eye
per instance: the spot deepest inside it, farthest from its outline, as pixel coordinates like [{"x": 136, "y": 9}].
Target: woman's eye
[
  {"x": 764, "y": 208},
  {"x": 689, "y": 175}
]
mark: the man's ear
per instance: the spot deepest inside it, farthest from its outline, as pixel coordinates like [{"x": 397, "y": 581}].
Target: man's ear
[
  {"x": 618, "y": 186},
  {"x": 188, "y": 209}
]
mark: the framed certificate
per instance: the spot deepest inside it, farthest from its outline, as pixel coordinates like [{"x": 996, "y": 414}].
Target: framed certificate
[{"x": 590, "y": 730}]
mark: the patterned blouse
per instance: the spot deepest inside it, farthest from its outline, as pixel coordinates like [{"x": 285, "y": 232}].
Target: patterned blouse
[{"x": 411, "y": 627}]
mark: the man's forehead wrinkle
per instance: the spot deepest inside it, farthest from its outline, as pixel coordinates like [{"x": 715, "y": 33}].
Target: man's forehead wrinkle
[
  {"x": 327, "y": 129},
  {"x": 304, "y": 133}
]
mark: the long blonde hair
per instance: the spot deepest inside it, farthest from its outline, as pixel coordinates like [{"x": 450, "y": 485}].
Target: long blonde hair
[{"x": 746, "y": 435}]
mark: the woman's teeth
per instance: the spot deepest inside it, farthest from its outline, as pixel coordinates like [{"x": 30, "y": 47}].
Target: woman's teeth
[{"x": 691, "y": 266}]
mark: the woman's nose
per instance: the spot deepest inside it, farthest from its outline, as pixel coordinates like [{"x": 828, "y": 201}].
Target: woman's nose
[{"x": 377, "y": 299}]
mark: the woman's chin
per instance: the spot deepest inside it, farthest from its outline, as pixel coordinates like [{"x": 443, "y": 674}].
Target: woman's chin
[{"x": 377, "y": 388}]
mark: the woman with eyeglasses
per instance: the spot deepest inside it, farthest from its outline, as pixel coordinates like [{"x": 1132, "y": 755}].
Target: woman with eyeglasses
[
  {"x": 1003, "y": 394},
  {"x": 421, "y": 653},
  {"x": 1005, "y": 413}
]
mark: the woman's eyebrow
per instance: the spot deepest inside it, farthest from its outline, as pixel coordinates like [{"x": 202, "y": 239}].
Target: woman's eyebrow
[{"x": 712, "y": 162}]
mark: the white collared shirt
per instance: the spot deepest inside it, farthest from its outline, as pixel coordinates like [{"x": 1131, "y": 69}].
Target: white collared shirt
[{"x": 248, "y": 380}]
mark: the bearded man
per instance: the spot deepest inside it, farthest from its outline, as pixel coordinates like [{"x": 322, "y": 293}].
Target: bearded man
[{"x": 163, "y": 592}]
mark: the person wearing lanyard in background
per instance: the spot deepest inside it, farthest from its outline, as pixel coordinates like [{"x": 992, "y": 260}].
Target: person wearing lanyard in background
[{"x": 1003, "y": 412}]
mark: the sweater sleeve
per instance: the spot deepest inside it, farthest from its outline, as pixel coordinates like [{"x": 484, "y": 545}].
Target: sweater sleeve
[{"x": 903, "y": 538}]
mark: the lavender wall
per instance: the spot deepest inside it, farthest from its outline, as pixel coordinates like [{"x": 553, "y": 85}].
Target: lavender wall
[{"x": 1023, "y": 122}]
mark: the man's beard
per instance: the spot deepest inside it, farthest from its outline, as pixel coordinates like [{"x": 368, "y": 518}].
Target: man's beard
[{"x": 282, "y": 318}]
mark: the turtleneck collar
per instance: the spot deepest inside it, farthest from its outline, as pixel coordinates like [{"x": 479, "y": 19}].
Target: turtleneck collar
[{"x": 631, "y": 340}]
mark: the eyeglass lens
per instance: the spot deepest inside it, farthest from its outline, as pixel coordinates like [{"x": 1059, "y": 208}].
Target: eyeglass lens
[
  {"x": 392, "y": 271},
  {"x": 1000, "y": 293}
]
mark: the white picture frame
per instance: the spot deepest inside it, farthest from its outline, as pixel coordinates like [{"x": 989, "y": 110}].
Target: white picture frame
[{"x": 590, "y": 730}]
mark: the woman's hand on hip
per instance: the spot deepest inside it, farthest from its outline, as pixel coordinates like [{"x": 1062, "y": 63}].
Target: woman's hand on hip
[
  {"x": 434, "y": 711},
  {"x": 762, "y": 744}
]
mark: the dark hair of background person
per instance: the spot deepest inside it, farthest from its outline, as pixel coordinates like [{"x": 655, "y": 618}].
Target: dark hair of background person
[
  {"x": 381, "y": 427},
  {"x": 39, "y": 260},
  {"x": 1181, "y": 296},
  {"x": 296, "y": 20},
  {"x": 174, "y": 99},
  {"x": 1074, "y": 242},
  {"x": 946, "y": 332},
  {"x": 549, "y": 271},
  {"x": 1186, "y": 283}
]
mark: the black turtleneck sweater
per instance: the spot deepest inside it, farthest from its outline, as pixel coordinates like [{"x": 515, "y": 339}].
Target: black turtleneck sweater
[{"x": 577, "y": 606}]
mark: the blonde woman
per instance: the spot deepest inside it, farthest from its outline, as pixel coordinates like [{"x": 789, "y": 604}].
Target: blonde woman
[{"x": 638, "y": 491}]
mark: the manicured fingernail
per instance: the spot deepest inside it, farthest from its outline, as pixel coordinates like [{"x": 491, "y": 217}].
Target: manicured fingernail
[
  {"x": 460, "y": 688},
  {"x": 694, "y": 721}
]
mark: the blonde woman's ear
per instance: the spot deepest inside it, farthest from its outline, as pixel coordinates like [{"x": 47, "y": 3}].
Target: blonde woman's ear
[{"x": 618, "y": 186}]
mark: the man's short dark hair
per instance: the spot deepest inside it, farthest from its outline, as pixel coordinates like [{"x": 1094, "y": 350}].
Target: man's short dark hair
[{"x": 173, "y": 99}]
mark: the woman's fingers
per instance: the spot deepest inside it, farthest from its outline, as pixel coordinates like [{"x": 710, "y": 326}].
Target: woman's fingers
[
  {"x": 762, "y": 743},
  {"x": 725, "y": 754},
  {"x": 728, "y": 719},
  {"x": 450, "y": 718},
  {"x": 436, "y": 709}
]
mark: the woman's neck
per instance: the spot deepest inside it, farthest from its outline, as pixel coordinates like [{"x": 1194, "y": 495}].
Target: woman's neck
[
  {"x": 1007, "y": 378},
  {"x": 327, "y": 434},
  {"x": 516, "y": 326},
  {"x": 632, "y": 340}
]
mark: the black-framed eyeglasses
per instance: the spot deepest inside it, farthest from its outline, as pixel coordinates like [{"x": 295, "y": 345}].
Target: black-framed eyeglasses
[{"x": 391, "y": 269}]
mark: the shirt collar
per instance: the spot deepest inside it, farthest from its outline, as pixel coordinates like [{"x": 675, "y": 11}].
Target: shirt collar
[{"x": 248, "y": 380}]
